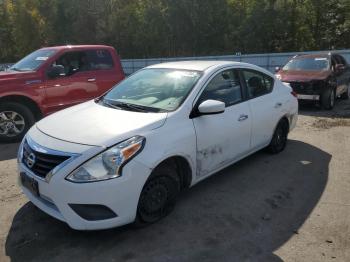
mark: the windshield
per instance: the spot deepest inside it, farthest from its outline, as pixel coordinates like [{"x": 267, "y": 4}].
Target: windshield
[
  {"x": 32, "y": 61},
  {"x": 153, "y": 90},
  {"x": 308, "y": 64}
]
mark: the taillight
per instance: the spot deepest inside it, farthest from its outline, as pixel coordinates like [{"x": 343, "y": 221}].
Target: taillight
[{"x": 294, "y": 94}]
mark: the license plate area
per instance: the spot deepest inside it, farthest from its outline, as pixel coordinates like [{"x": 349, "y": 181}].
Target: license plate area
[{"x": 30, "y": 183}]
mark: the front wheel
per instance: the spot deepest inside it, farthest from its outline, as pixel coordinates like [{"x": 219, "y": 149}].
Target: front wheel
[
  {"x": 328, "y": 98},
  {"x": 158, "y": 196},
  {"x": 279, "y": 138},
  {"x": 15, "y": 121}
]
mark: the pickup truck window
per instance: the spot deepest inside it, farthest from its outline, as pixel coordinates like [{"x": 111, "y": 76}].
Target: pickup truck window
[
  {"x": 33, "y": 61},
  {"x": 99, "y": 59},
  {"x": 81, "y": 61}
]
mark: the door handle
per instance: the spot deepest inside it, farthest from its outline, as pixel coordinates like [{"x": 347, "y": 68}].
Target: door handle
[
  {"x": 277, "y": 105},
  {"x": 242, "y": 117},
  {"x": 91, "y": 79}
]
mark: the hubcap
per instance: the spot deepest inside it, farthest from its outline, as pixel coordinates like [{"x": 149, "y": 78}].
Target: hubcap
[
  {"x": 280, "y": 138},
  {"x": 157, "y": 199},
  {"x": 11, "y": 123}
]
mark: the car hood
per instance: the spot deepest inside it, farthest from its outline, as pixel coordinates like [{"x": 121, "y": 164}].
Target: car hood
[
  {"x": 303, "y": 76},
  {"x": 96, "y": 125},
  {"x": 12, "y": 75}
]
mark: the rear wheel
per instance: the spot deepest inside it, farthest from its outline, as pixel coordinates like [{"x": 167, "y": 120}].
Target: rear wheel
[
  {"x": 158, "y": 196},
  {"x": 15, "y": 121},
  {"x": 279, "y": 138},
  {"x": 328, "y": 98}
]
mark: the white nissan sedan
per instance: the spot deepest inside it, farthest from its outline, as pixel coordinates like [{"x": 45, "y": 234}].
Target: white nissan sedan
[{"x": 126, "y": 156}]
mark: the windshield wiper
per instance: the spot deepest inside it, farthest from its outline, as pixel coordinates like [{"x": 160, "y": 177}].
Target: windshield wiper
[
  {"x": 132, "y": 107},
  {"x": 110, "y": 105}
]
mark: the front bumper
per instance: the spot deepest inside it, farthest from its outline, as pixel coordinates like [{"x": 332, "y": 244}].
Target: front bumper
[
  {"x": 307, "y": 90},
  {"x": 120, "y": 195}
]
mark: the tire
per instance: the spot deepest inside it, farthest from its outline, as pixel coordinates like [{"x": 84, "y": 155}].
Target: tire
[
  {"x": 328, "y": 99},
  {"x": 15, "y": 121},
  {"x": 346, "y": 94},
  {"x": 279, "y": 139},
  {"x": 158, "y": 196}
]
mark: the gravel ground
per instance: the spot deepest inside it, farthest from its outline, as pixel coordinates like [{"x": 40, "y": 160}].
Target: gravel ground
[{"x": 294, "y": 206}]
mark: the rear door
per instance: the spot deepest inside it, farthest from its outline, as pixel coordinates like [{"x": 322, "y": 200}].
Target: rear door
[
  {"x": 265, "y": 105},
  {"x": 102, "y": 70},
  {"x": 221, "y": 138}
]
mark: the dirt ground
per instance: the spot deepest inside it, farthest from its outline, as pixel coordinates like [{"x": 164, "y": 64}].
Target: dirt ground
[{"x": 294, "y": 206}]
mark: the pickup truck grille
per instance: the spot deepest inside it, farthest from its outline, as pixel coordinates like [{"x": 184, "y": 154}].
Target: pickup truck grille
[{"x": 40, "y": 163}]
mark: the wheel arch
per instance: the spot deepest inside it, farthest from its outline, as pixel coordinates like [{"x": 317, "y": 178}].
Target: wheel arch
[
  {"x": 183, "y": 168},
  {"x": 31, "y": 104},
  {"x": 285, "y": 118}
]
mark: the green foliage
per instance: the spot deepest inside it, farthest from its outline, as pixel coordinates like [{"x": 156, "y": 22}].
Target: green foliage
[{"x": 157, "y": 28}]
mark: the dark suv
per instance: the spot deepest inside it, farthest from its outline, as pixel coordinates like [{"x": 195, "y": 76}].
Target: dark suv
[{"x": 317, "y": 77}]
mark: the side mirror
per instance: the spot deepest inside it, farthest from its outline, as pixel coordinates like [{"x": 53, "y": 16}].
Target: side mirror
[
  {"x": 56, "y": 71},
  {"x": 277, "y": 68},
  {"x": 339, "y": 68},
  {"x": 211, "y": 107}
]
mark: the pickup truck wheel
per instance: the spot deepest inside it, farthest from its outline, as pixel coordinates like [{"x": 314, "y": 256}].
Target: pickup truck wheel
[
  {"x": 15, "y": 121},
  {"x": 158, "y": 196},
  {"x": 279, "y": 138},
  {"x": 346, "y": 94},
  {"x": 328, "y": 98}
]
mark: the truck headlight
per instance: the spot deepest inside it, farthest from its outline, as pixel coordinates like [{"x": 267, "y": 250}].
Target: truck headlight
[{"x": 108, "y": 164}]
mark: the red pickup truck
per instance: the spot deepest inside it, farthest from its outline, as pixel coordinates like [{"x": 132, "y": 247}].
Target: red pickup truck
[{"x": 51, "y": 79}]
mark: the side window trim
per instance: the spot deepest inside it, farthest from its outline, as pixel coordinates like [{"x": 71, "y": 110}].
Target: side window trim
[{"x": 259, "y": 73}]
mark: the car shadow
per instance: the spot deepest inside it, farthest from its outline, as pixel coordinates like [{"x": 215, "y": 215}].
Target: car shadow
[
  {"x": 8, "y": 151},
  {"x": 340, "y": 110},
  {"x": 243, "y": 213}
]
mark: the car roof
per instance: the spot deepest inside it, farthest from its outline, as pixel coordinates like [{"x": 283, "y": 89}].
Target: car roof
[
  {"x": 196, "y": 65},
  {"x": 320, "y": 55},
  {"x": 76, "y": 47}
]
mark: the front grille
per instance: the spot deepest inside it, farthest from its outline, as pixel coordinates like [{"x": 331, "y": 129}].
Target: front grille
[
  {"x": 40, "y": 163},
  {"x": 302, "y": 88}
]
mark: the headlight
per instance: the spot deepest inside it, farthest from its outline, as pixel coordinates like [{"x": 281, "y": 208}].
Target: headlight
[
  {"x": 108, "y": 164},
  {"x": 278, "y": 76},
  {"x": 287, "y": 84},
  {"x": 20, "y": 152}
]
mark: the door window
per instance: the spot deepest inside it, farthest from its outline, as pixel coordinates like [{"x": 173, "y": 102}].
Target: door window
[
  {"x": 258, "y": 84},
  {"x": 99, "y": 59},
  {"x": 224, "y": 87},
  {"x": 82, "y": 61},
  {"x": 341, "y": 60},
  {"x": 73, "y": 62}
]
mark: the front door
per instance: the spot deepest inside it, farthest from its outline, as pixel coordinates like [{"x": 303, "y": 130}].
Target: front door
[
  {"x": 77, "y": 85},
  {"x": 221, "y": 138}
]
